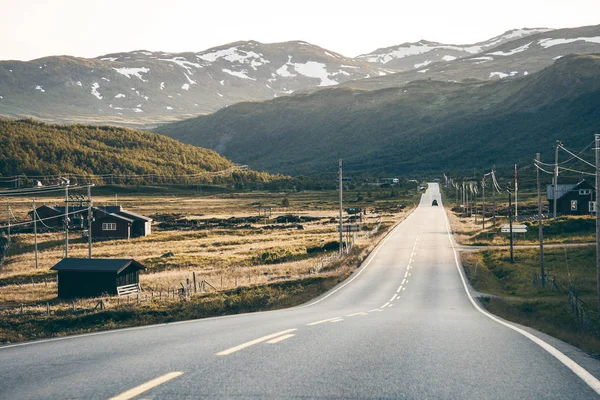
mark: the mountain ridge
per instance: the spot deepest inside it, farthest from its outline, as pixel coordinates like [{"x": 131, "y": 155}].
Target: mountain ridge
[{"x": 424, "y": 125}]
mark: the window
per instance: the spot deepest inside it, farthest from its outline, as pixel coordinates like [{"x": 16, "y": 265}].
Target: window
[
  {"x": 585, "y": 192},
  {"x": 109, "y": 226},
  {"x": 592, "y": 206},
  {"x": 573, "y": 205}
]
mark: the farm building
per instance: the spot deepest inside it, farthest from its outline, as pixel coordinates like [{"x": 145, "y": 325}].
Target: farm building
[
  {"x": 120, "y": 224},
  {"x": 574, "y": 199},
  {"x": 89, "y": 277},
  {"x": 109, "y": 221}
]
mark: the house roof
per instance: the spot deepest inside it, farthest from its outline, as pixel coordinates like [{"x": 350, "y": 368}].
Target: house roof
[
  {"x": 562, "y": 190},
  {"x": 134, "y": 215},
  {"x": 115, "y": 215},
  {"x": 115, "y": 265}
]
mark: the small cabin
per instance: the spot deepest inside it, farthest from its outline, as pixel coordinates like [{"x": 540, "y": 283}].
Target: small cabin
[
  {"x": 91, "y": 277},
  {"x": 574, "y": 199}
]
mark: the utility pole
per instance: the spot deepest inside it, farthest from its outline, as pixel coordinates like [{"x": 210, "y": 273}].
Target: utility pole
[
  {"x": 494, "y": 194},
  {"x": 67, "y": 221},
  {"x": 8, "y": 213},
  {"x": 597, "y": 152},
  {"x": 341, "y": 202},
  {"x": 555, "y": 191},
  {"x": 35, "y": 233},
  {"x": 516, "y": 189},
  {"x": 483, "y": 203},
  {"x": 89, "y": 221},
  {"x": 540, "y": 222},
  {"x": 510, "y": 221}
]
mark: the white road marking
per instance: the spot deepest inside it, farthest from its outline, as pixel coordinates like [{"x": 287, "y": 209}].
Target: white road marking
[
  {"x": 337, "y": 320},
  {"x": 393, "y": 297},
  {"x": 322, "y": 321},
  {"x": 406, "y": 274},
  {"x": 253, "y": 342},
  {"x": 399, "y": 289},
  {"x": 581, "y": 372},
  {"x": 385, "y": 305},
  {"x": 375, "y": 309},
  {"x": 355, "y": 314},
  {"x": 403, "y": 280},
  {"x": 403, "y": 288},
  {"x": 280, "y": 338},
  {"x": 407, "y": 281},
  {"x": 390, "y": 305},
  {"x": 144, "y": 387}
]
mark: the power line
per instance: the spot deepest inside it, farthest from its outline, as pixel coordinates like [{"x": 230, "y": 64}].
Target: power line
[{"x": 576, "y": 156}]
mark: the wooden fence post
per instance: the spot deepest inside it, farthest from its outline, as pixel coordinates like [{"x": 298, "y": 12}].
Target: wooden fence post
[{"x": 194, "y": 275}]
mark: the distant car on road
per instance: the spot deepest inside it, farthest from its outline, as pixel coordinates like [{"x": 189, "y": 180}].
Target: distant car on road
[{"x": 434, "y": 203}]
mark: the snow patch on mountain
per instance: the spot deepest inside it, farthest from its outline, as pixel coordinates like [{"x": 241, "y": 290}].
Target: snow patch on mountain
[
  {"x": 95, "y": 92},
  {"x": 162, "y": 86},
  {"x": 549, "y": 42},
  {"x": 120, "y": 95},
  {"x": 511, "y": 52},
  {"x": 78, "y": 83},
  {"x": 448, "y": 58},
  {"x": 128, "y": 72},
  {"x": 234, "y": 54},
  {"x": 182, "y": 62},
  {"x": 424, "y": 63},
  {"x": 238, "y": 74},
  {"x": 185, "y": 86},
  {"x": 498, "y": 74},
  {"x": 41, "y": 89},
  {"x": 113, "y": 59},
  {"x": 283, "y": 71},
  {"x": 313, "y": 69},
  {"x": 412, "y": 49}
]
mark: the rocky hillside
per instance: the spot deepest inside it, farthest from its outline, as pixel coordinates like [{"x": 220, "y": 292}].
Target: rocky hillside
[
  {"x": 407, "y": 56},
  {"x": 144, "y": 88},
  {"x": 514, "y": 58},
  {"x": 425, "y": 125}
]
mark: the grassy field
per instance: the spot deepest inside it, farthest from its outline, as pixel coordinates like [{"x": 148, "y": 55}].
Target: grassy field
[
  {"x": 514, "y": 291},
  {"x": 469, "y": 229},
  {"x": 514, "y": 296},
  {"x": 216, "y": 237}
]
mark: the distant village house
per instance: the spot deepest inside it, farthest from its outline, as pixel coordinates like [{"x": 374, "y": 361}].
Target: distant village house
[
  {"x": 109, "y": 222},
  {"x": 573, "y": 199}
]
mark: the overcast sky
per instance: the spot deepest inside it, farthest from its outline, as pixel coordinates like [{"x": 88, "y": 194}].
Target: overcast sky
[{"x": 88, "y": 28}]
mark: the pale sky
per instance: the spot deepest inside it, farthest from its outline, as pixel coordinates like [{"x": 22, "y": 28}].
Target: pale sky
[{"x": 88, "y": 28}]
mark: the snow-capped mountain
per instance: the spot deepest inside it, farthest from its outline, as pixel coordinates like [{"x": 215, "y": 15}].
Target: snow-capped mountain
[
  {"x": 143, "y": 87},
  {"x": 409, "y": 56},
  {"x": 515, "y": 58}
]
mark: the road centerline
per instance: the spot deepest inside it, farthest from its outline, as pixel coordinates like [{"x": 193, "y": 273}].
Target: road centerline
[
  {"x": 144, "y": 387},
  {"x": 253, "y": 342}
]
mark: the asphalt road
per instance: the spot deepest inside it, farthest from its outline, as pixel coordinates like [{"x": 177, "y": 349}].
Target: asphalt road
[{"x": 401, "y": 327}]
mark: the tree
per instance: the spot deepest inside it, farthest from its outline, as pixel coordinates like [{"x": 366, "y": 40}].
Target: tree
[{"x": 285, "y": 202}]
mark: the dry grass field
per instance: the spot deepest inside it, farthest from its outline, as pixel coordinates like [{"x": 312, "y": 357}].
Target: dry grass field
[{"x": 294, "y": 242}]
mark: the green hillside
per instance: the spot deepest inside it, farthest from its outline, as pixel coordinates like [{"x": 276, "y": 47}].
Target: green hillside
[
  {"x": 423, "y": 126},
  {"x": 33, "y": 148}
]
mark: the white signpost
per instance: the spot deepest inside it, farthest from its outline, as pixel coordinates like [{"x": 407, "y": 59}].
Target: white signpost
[{"x": 516, "y": 228}]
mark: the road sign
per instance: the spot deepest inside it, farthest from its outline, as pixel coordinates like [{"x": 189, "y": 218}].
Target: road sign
[
  {"x": 349, "y": 228},
  {"x": 517, "y": 230},
  {"x": 507, "y": 226}
]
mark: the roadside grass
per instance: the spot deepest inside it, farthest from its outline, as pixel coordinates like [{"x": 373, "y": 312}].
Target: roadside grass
[
  {"x": 16, "y": 328},
  {"x": 514, "y": 296}
]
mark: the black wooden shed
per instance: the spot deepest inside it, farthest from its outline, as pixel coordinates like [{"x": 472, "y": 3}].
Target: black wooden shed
[{"x": 90, "y": 277}]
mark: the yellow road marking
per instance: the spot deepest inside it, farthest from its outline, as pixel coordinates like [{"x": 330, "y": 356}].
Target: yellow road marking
[
  {"x": 136, "y": 391},
  {"x": 253, "y": 342},
  {"x": 280, "y": 338}
]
